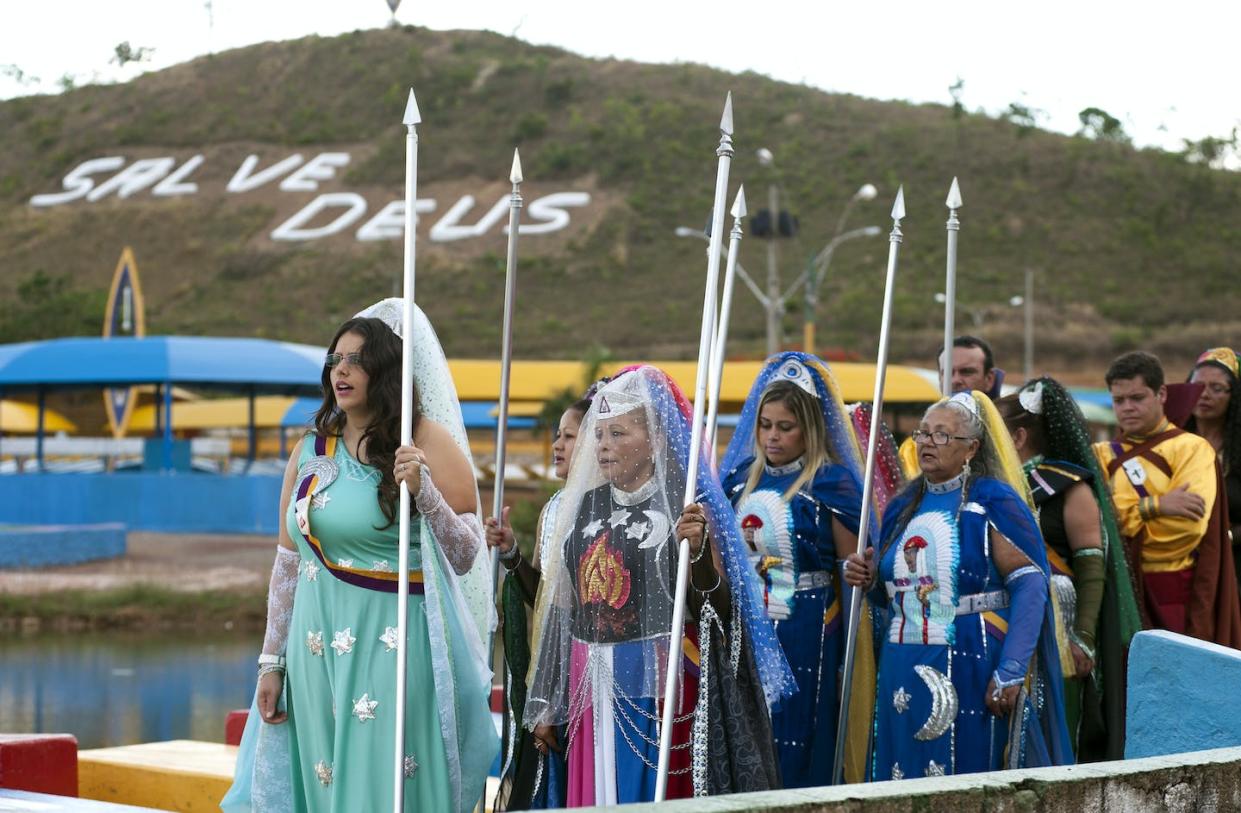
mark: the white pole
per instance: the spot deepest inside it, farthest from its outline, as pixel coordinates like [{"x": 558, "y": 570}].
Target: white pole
[
  {"x": 411, "y": 120},
  {"x": 950, "y": 286},
  {"x": 725, "y": 154},
  {"x": 720, "y": 340},
  {"x": 868, "y": 481}
]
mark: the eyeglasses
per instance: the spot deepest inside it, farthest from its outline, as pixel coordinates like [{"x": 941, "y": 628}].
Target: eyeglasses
[
  {"x": 336, "y": 359},
  {"x": 935, "y": 438},
  {"x": 1217, "y": 388}
]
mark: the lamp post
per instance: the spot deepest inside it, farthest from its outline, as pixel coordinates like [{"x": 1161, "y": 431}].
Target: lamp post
[
  {"x": 817, "y": 268},
  {"x": 774, "y": 314},
  {"x": 1026, "y": 302}
]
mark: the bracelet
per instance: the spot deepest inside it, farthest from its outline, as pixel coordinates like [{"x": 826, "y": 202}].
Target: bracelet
[
  {"x": 512, "y": 553},
  {"x": 710, "y": 589},
  {"x": 269, "y": 668},
  {"x": 702, "y": 549},
  {"x": 1086, "y": 648},
  {"x": 511, "y": 563},
  {"x": 271, "y": 660}
]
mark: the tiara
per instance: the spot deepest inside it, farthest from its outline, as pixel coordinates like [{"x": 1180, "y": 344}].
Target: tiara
[{"x": 796, "y": 372}]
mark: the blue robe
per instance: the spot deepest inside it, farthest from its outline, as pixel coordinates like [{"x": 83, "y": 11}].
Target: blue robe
[
  {"x": 808, "y": 621},
  {"x": 925, "y": 568}
]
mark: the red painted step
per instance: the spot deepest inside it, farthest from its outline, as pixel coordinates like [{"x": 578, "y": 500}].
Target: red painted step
[{"x": 43, "y": 763}]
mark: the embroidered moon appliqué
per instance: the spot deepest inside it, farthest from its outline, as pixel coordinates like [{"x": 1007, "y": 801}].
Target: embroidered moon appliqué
[{"x": 944, "y": 703}]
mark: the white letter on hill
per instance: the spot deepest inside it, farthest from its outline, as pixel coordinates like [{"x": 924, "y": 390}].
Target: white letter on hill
[
  {"x": 133, "y": 178},
  {"x": 550, "y": 209},
  {"x": 449, "y": 229},
  {"x": 389, "y": 224},
  {"x": 77, "y": 183},
  {"x": 243, "y": 181},
  {"x": 172, "y": 185},
  {"x": 291, "y": 229},
  {"x": 320, "y": 168}
]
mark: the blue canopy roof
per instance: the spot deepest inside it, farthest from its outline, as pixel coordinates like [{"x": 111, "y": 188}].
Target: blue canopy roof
[
  {"x": 267, "y": 366},
  {"x": 477, "y": 415}
]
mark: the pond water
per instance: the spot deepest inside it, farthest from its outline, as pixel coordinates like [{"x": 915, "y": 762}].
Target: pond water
[{"x": 124, "y": 688}]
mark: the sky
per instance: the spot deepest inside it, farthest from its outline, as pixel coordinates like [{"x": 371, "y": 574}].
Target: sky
[{"x": 1166, "y": 70}]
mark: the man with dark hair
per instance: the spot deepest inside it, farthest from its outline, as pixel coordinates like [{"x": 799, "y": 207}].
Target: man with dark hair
[
  {"x": 973, "y": 368},
  {"x": 1164, "y": 484}
]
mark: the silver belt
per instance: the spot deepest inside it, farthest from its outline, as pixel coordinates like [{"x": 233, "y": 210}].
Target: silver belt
[
  {"x": 982, "y": 602},
  {"x": 813, "y": 580}
]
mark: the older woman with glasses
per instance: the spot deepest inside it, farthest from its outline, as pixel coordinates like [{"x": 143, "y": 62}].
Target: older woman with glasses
[{"x": 964, "y": 684}]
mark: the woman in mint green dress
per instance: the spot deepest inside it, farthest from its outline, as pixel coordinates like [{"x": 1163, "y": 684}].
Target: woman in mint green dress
[{"x": 321, "y": 733}]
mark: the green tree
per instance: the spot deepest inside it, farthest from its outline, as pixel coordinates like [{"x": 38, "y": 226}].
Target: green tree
[
  {"x": 1212, "y": 151},
  {"x": 1100, "y": 125},
  {"x": 126, "y": 53},
  {"x": 956, "y": 90},
  {"x": 1024, "y": 118}
]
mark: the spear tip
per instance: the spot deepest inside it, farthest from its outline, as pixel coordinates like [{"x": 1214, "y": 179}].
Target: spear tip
[
  {"x": 726, "y": 121},
  {"x": 738, "y": 210},
  {"x": 954, "y": 195},
  {"x": 515, "y": 175},
  {"x": 898, "y": 206},
  {"x": 412, "y": 116}
]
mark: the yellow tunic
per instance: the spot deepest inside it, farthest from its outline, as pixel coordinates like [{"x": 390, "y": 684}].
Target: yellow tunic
[{"x": 1170, "y": 542}]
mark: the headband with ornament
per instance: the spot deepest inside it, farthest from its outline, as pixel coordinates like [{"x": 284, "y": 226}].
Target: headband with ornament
[
  {"x": 1225, "y": 357},
  {"x": 794, "y": 371}
]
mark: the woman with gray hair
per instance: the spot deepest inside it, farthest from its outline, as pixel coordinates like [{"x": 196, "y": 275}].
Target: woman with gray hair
[{"x": 964, "y": 670}]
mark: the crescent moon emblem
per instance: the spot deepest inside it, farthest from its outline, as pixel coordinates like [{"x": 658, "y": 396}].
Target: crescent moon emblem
[
  {"x": 660, "y": 528},
  {"x": 944, "y": 704}
]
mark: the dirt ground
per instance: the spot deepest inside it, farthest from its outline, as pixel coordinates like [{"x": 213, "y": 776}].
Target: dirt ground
[{"x": 184, "y": 562}]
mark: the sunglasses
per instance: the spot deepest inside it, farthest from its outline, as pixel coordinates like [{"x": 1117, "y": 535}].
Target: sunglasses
[{"x": 336, "y": 359}]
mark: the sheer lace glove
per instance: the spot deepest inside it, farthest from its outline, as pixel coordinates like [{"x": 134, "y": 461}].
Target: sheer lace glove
[
  {"x": 280, "y": 600},
  {"x": 1027, "y": 591},
  {"x": 460, "y": 536}
]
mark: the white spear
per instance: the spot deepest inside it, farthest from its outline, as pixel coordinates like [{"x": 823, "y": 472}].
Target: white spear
[
  {"x": 868, "y": 481},
  {"x": 411, "y": 120},
  {"x": 725, "y": 153},
  {"x": 506, "y": 363},
  {"x": 950, "y": 286},
  {"x": 720, "y": 339}
]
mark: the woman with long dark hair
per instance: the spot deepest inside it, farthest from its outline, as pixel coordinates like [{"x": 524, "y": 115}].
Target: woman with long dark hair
[
  {"x": 1217, "y": 418},
  {"x": 319, "y": 736},
  {"x": 1096, "y": 611}
]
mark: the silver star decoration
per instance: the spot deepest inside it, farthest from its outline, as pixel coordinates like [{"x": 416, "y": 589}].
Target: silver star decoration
[
  {"x": 389, "y": 639},
  {"x": 312, "y": 571},
  {"x": 343, "y": 641},
  {"x": 619, "y": 518},
  {"x": 933, "y": 768},
  {"x": 592, "y": 529},
  {"x": 900, "y": 700},
  {"x": 324, "y": 771},
  {"x": 897, "y": 773},
  {"x": 314, "y": 642},
  {"x": 320, "y": 500},
  {"x": 364, "y": 708},
  {"x": 411, "y": 766},
  {"x": 381, "y": 566},
  {"x": 638, "y": 530},
  {"x": 345, "y": 562}
]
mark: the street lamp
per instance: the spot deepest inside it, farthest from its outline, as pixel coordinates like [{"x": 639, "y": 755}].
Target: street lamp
[{"x": 1015, "y": 301}]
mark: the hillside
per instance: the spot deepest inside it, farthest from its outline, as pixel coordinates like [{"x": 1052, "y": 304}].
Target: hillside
[{"x": 1131, "y": 247}]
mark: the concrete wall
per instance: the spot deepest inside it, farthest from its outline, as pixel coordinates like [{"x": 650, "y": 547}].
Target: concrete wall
[
  {"x": 45, "y": 546},
  {"x": 1203, "y": 782},
  {"x": 172, "y": 501},
  {"x": 1183, "y": 695}
]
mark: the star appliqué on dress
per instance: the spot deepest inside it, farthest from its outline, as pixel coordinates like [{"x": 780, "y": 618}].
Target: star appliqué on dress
[
  {"x": 381, "y": 566},
  {"x": 320, "y": 500},
  {"x": 411, "y": 766},
  {"x": 638, "y": 530},
  {"x": 592, "y": 529},
  {"x": 897, "y": 773},
  {"x": 345, "y": 562},
  {"x": 312, "y": 571},
  {"x": 324, "y": 772},
  {"x": 343, "y": 641},
  {"x": 389, "y": 639},
  {"x": 364, "y": 708},
  {"x": 314, "y": 642},
  {"x": 619, "y": 518},
  {"x": 933, "y": 768},
  {"x": 900, "y": 700}
]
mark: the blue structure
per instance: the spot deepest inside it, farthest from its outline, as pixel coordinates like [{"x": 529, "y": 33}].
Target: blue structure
[
  {"x": 163, "y": 496},
  {"x": 1180, "y": 695},
  {"x": 60, "y": 544}
]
